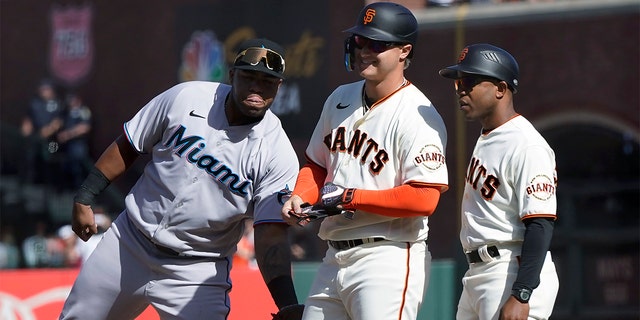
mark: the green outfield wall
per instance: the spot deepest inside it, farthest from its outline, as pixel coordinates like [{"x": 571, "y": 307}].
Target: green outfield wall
[{"x": 439, "y": 301}]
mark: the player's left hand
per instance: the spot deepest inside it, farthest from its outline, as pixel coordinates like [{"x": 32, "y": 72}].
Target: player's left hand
[
  {"x": 514, "y": 310},
  {"x": 334, "y": 196},
  {"x": 292, "y": 312}
]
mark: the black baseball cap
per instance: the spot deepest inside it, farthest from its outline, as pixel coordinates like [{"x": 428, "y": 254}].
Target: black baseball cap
[{"x": 260, "y": 55}]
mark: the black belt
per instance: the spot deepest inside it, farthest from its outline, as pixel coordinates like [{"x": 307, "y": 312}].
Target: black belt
[
  {"x": 474, "y": 256},
  {"x": 348, "y": 244}
]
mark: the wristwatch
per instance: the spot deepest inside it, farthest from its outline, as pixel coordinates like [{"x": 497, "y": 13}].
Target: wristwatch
[{"x": 522, "y": 295}]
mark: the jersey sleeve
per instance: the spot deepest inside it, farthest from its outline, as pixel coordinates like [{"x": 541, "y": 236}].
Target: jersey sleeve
[
  {"x": 145, "y": 129},
  {"x": 275, "y": 187},
  {"x": 424, "y": 144},
  {"x": 536, "y": 181}
]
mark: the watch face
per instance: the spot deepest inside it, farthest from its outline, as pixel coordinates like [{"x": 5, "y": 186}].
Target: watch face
[{"x": 522, "y": 295}]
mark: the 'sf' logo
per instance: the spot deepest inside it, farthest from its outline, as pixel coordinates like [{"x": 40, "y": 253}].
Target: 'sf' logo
[
  {"x": 368, "y": 16},
  {"x": 463, "y": 54}
]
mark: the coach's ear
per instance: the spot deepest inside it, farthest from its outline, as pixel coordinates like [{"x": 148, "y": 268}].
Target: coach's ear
[{"x": 502, "y": 88}]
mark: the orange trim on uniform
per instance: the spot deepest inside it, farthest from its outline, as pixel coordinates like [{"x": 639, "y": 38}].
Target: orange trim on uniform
[
  {"x": 406, "y": 281},
  {"x": 309, "y": 182},
  {"x": 442, "y": 187},
  {"x": 405, "y": 84},
  {"x": 487, "y": 131},
  {"x": 539, "y": 215}
]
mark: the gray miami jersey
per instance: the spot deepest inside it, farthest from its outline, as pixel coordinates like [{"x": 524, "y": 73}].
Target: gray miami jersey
[{"x": 205, "y": 177}]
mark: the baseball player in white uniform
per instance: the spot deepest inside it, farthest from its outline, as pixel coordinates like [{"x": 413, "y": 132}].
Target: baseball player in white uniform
[
  {"x": 218, "y": 157},
  {"x": 378, "y": 153},
  {"x": 509, "y": 201}
]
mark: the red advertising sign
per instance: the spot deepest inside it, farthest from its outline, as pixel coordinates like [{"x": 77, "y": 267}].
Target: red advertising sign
[
  {"x": 34, "y": 294},
  {"x": 71, "y": 51}
]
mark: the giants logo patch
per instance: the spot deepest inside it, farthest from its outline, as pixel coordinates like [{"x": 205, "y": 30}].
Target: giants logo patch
[
  {"x": 541, "y": 187},
  {"x": 430, "y": 156}
]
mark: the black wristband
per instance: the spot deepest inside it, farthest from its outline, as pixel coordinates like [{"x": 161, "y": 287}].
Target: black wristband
[
  {"x": 282, "y": 291},
  {"x": 95, "y": 183}
]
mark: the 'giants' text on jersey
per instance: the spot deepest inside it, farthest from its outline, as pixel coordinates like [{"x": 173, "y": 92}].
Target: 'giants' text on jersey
[
  {"x": 359, "y": 146},
  {"x": 490, "y": 183}
]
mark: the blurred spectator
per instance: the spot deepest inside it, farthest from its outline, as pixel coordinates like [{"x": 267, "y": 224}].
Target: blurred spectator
[
  {"x": 55, "y": 250},
  {"x": 42, "y": 250},
  {"x": 34, "y": 248},
  {"x": 39, "y": 126},
  {"x": 9, "y": 251},
  {"x": 245, "y": 255},
  {"x": 74, "y": 140},
  {"x": 72, "y": 258}
]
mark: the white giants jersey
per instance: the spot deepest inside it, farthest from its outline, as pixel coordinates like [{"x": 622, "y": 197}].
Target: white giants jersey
[
  {"x": 400, "y": 140},
  {"x": 205, "y": 177},
  {"x": 511, "y": 176}
]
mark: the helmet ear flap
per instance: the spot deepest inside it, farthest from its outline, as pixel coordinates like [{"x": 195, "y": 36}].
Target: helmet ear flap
[{"x": 349, "y": 53}]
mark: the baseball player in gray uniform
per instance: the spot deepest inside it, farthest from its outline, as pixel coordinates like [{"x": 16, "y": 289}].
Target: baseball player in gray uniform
[
  {"x": 509, "y": 201},
  {"x": 378, "y": 152},
  {"x": 218, "y": 156}
]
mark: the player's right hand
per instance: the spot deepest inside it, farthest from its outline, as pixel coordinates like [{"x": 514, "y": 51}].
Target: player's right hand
[
  {"x": 83, "y": 221},
  {"x": 514, "y": 310},
  {"x": 292, "y": 211}
]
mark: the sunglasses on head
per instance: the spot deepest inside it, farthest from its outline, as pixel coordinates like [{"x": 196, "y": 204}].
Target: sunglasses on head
[
  {"x": 466, "y": 83},
  {"x": 373, "y": 45},
  {"x": 272, "y": 60}
]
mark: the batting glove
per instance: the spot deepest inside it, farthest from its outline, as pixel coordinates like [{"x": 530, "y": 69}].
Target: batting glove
[{"x": 334, "y": 195}]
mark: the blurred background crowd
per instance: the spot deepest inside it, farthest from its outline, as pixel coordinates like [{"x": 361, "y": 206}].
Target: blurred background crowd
[
  {"x": 72, "y": 71},
  {"x": 55, "y": 132}
]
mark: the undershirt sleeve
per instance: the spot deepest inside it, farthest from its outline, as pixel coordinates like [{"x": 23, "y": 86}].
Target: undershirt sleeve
[
  {"x": 310, "y": 180},
  {"x": 407, "y": 200},
  {"x": 537, "y": 239}
]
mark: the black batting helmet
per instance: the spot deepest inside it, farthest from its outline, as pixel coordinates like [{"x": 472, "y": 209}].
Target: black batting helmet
[
  {"x": 485, "y": 60},
  {"x": 386, "y": 21}
]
